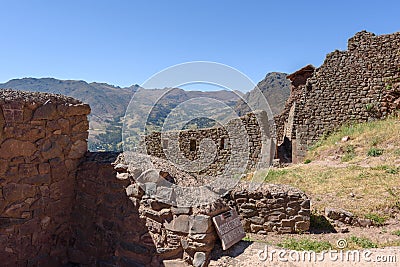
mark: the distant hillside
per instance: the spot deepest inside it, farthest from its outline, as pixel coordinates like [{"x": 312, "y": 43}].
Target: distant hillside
[
  {"x": 275, "y": 87},
  {"x": 109, "y": 103},
  {"x": 162, "y": 101}
]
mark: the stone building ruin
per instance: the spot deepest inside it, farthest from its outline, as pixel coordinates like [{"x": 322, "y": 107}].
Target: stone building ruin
[
  {"x": 356, "y": 85},
  {"x": 61, "y": 205},
  {"x": 232, "y": 150}
]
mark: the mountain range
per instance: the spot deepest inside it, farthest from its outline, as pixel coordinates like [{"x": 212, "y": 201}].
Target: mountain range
[
  {"x": 276, "y": 89},
  {"x": 109, "y": 103}
]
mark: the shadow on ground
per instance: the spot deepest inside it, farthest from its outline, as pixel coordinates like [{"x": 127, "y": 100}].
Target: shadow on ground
[{"x": 233, "y": 251}]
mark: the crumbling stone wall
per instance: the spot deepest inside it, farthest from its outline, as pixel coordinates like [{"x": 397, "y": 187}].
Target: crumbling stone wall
[
  {"x": 272, "y": 208},
  {"x": 357, "y": 85},
  {"x": 120, "y": 221},
  {"x": 42, "y": 139},
  {"x": 117, "y": 223},
  {"x": 285, "y": 128}
]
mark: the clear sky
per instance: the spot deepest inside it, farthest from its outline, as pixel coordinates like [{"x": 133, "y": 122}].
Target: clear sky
[{"x": 125, "y": 42}]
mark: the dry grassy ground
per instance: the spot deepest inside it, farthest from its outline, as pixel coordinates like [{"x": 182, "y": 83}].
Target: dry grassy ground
[{"x": 360, "y": 174}]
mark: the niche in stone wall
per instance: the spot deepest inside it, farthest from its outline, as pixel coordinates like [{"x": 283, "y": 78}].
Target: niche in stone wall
[
  {"x": 192, "y": 145},
  {"x": 222, "y": 143}
]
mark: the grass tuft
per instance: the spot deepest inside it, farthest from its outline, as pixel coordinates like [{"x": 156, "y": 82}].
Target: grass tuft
[
  {"x": 397, "y": 232},
  {"x": 305, "y": 244},
  {"x": 376, "y": 218},
  {"x": 363, "y": 242},
  {"x": 375, "y": 152},
  {"x": 349, "y": 153},
  {"x": 274, "y": 175}
]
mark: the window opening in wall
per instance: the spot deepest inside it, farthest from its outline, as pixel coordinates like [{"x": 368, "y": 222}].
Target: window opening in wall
[
  {"x": 222, "y": 143},
  {"x": 192, "y": 145},
  {"x": 165, "y": 144}
]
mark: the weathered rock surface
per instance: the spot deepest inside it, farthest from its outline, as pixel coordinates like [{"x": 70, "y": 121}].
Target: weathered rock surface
[{"x": 37, "y": 175}]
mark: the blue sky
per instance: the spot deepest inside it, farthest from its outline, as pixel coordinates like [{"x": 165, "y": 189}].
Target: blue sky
[{"x": 125, "y": 42}]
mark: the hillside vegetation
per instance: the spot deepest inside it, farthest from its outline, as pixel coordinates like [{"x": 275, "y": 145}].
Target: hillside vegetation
[
  {"x": 109, "y": 103},
  {"x": 357, "y": 168}
]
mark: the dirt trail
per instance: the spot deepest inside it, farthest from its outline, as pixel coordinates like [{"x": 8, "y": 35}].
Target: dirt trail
[{"x": 246, "y": 254}]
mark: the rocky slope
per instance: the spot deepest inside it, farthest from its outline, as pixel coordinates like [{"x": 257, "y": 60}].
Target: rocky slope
[{"x": 275, "y": 87}]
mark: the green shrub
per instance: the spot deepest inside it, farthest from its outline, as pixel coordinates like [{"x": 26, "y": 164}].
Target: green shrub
[
  {"x": 305, "y": 244},
  {"x": 349, "y": 153},
  {"x": 375, "y": 152},
  {"x": 363, "y": 242},
  {"x": 376, "y": 218},
  {"x": 397, "y": 232},
  {"x": 307, "y": 161}
]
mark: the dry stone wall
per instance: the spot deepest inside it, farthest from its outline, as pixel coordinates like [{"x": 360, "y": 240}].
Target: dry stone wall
[
  {"x": 42, "y": 139},
  {"x": 357, "y": 85},
  {"x": 170, "y": 232},
  {"x": 117, "y": 223},
  {"x": 272, "y": 208},
  {"x": 243, "y": 144},
  {"x": 106, "y": 227}
]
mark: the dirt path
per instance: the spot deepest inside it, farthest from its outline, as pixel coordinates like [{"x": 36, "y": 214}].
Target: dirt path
[{"x": 247, "y": 253}]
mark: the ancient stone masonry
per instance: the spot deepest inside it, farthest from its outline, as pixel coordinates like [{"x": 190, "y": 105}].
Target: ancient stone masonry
[
  {"x": 118, "y": 221},
  {"x": 357, "y": 85},
  {"x": 272, "y": 208},
  {"x": 60, "y": 205},
  {"x": 251, "y": 146},
  {"x": 286, "y": 134},
  {"x": 63, "y": 205},
  {"x": 42, "y": 137}
]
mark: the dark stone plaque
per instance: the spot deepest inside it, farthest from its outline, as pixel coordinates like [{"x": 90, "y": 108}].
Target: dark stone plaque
[{"x": 229, "y": 228}]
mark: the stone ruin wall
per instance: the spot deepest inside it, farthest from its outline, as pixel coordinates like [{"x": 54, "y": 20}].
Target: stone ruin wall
[
  {"x": 63, "y": 205},
  {"x": 255, "y": 141},
  {"x": 42, "y": 139},
  {"x": 272, "y": 208},
  {"x": 53, "y": 212},
  {"x": 116, "y": 222},
  {"x": 357, "y": 85}
]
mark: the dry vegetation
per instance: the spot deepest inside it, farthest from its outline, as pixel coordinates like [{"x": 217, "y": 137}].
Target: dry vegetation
[{"x": 361, "y": 175}]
